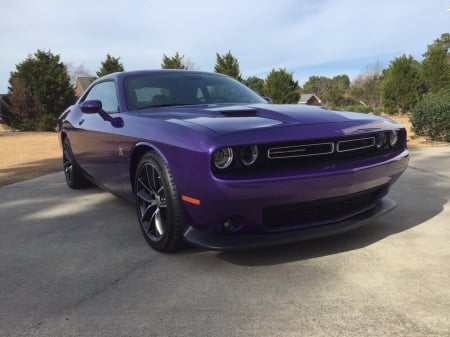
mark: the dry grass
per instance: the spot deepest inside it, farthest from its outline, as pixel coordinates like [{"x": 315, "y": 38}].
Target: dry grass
[{"x": 26, "y": 155}]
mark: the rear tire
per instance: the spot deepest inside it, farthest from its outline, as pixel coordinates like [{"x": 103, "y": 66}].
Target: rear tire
[
  {"x": 73, "y": 173},
  {"x": 158, "y": 205}
]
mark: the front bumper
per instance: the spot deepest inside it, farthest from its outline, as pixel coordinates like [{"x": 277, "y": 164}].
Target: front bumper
[
  {"x": 250, "y": 202},
  {"x": 235, "y": 242}
]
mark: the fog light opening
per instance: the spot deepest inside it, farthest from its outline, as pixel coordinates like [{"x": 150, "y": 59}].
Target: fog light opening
[{"x": 229, "y": 226}]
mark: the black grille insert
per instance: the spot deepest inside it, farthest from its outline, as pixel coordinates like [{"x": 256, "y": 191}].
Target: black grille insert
[
  {"x": 318, "y": 212},
  {"x": 305, "y": 150},
  {"x": 355, "y": 144}
]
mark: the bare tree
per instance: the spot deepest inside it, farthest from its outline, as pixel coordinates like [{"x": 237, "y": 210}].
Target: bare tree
[{"x": 79, "y": 71}]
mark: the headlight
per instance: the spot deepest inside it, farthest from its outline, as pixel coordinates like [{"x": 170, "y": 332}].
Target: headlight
[
  {"x": 223, "y": 158},
  {"x": 381, "y": 140},
  {"x": 248, "y": 155},
  {"x": 393, "y": 138}
]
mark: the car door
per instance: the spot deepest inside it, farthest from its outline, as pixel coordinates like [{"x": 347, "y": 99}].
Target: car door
[{"x": 93, "y": 139}]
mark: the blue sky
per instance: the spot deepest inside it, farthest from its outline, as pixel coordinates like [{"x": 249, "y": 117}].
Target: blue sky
[{"x": 307, "y": 37}]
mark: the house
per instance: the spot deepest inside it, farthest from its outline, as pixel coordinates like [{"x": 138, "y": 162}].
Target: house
[
  {"x": 82, "y": 83},
  {"x": 310, "y": 99}
]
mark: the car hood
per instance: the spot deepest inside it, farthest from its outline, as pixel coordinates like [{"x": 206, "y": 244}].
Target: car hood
[{"x": 227, "y": 119}]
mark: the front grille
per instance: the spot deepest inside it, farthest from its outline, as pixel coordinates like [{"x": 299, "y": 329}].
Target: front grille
[
  {"x": 318, "y": 149},
  {"x": 320, "y": 154},
  {"x": 302, "y": 150},
  {"x": 355, "y": 144},
  {"x": 319, "y": 212}
]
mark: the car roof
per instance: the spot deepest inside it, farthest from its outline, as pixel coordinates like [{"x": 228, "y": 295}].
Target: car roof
[{"x": 122, "y": 74}]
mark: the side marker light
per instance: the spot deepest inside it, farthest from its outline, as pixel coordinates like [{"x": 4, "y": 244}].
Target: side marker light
[{"x": 190, "y": 200}]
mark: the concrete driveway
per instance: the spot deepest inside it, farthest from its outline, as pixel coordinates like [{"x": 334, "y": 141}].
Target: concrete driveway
[{"x": 74, "y": 263}]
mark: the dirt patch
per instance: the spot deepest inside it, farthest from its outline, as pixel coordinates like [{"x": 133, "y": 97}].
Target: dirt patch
[{"x": 26, "y": 155}]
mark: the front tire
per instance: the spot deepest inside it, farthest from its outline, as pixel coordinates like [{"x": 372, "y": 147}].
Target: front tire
[
  {"x": 158, "y": 206},
  {"x": 72, "y": 172}
]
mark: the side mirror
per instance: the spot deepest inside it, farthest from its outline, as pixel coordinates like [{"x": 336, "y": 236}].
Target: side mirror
[
  {"x": 268, "y": 99},
  {"x": 91, "y": 107},
  {"x": 95, "y": 107}
]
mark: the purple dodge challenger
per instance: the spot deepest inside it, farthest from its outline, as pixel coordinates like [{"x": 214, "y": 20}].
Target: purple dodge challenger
[{"x": 208, "y": 161}]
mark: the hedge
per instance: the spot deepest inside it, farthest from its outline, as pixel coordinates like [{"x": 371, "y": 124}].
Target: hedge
[{"x": 431, "y": 116}]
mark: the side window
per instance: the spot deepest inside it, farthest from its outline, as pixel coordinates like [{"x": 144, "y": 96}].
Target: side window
[{"x": 106, "y": 93}]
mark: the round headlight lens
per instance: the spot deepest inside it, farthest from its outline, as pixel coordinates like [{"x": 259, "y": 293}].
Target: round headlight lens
[
  {"x": 381, "y": 140},
  {"x": 248, "y": 155},
  {"x": 223, "y": 158},
  {"x": 393, "y": 138}
]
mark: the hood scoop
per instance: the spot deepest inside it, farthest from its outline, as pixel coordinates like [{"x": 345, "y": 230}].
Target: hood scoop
[{"x": 239, "y": 113}]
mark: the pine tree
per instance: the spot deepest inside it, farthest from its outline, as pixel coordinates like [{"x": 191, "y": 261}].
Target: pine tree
[
  {"x": 256, "y": 84},
  {"x": 40, "y": 86},
  {"x": 402, "y": 85},
  {"x": 175, "y": 62},
  {"x": 281, "y": 87},
  {"x": 110, "y": 65},
  {"x": 435, "y": 68},
  {"x": 228, "y": 65}
]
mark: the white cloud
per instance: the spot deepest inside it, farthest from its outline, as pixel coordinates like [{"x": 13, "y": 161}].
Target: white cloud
[{"x": 262, "y": 34}]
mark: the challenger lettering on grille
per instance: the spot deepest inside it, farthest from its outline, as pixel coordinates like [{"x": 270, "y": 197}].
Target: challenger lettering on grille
[{"x": 300, "y": 150}]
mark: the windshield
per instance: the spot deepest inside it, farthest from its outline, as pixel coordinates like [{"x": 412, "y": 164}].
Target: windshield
[{"x": 178, "y": 88}]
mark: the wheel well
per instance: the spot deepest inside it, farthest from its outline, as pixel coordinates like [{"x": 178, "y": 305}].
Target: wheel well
[{"x": 136, "y": 156}]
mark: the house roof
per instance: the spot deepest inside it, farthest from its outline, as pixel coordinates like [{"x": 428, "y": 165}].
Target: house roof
[
  {"x": 305, "y": 98},
  {"x": 85, "y": 81}
]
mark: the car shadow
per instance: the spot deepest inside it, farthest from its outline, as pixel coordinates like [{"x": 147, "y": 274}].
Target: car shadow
[{"x": 420, "y": 196}]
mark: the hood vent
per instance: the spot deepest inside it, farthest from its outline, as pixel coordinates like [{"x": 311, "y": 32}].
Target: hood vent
[{"x": 239, "y": 113}]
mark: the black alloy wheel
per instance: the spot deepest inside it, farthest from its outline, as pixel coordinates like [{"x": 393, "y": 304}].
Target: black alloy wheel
[{"x": 158, "y": 206}]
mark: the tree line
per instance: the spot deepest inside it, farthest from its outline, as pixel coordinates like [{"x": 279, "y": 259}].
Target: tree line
[
  {"x": 41, "y": 86},
  {"x": 396, "y": 89}
]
